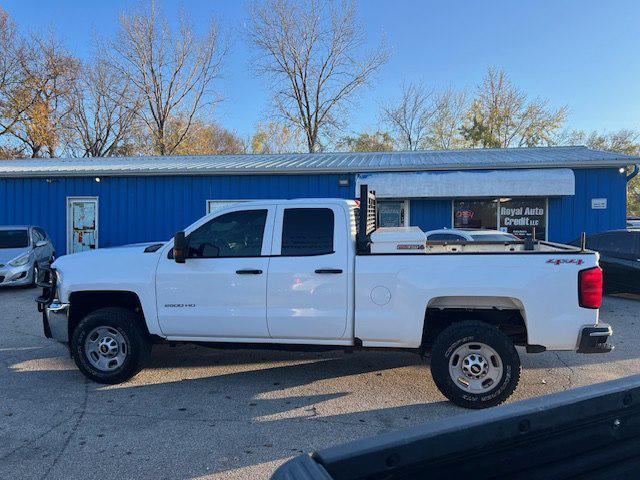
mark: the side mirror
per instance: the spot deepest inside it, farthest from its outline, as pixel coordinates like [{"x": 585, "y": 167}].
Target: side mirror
[
  {"x": 41, "y": 243},
  {"x": 179, "y": 247}
]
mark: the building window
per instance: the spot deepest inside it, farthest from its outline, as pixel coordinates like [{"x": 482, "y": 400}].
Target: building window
[
  {"x": 475, "y": 213},
  {"x": 517, "y": 216},
  {"x": 215, "y": 205},
  {"x": 393, "y": 213}
]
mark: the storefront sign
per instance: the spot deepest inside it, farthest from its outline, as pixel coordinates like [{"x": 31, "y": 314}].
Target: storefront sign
[
  {"x": 599, "y": 203},
  {"x": 519, "y": 216}
]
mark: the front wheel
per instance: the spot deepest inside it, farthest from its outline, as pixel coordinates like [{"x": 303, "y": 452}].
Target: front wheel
[
  {"x": 110, "y": 346},
  {"x": 475, "y": 365}
]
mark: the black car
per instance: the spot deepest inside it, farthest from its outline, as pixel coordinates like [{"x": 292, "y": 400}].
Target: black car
[{"x": 619, "y": 258}]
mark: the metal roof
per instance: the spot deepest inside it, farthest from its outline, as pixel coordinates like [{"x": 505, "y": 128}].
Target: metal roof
[{"x": 298, "y": 163}]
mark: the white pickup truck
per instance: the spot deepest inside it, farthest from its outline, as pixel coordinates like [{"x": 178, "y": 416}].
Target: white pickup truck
[{"x": 318, "y": 272}]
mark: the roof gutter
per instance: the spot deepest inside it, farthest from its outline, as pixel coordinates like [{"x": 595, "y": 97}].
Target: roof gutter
[
  {"x": 115, "y": 172},
  {"x": 633, "y": 173}
]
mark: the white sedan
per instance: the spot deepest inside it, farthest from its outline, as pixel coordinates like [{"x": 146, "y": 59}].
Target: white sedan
[{"x": 453, "y": 234}]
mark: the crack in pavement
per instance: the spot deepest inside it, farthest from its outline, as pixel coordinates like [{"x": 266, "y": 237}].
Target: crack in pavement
[
  {"x": 74, "y": 429},
  {"x": 31, "y": 441},
  {"x": 571, "y": 372}
]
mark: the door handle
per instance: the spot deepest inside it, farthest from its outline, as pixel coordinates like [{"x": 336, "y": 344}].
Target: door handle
[
  {"x": 248, "y": 271},
  {"x": 329, "y": 270}
]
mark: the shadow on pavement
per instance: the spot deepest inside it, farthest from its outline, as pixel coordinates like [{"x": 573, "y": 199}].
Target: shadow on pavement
[{"x": 193, "y": 427}]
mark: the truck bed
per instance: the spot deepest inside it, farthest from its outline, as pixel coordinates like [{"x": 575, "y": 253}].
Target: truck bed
[
  {"x": 412, "y": 240},
  {"x": 394, "y": 292}
]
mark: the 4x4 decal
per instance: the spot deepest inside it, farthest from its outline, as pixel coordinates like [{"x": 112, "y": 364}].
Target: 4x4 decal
[{"x": 558, "y": 261}]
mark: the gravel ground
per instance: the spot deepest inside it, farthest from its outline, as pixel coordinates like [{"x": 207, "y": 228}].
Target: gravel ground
[{"x": 205, "y": 413}]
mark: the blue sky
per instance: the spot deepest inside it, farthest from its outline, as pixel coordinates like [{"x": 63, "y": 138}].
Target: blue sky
[{"x": 583, "y": 54}]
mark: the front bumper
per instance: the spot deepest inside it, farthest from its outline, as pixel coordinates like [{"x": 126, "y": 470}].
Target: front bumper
[
  {"x": 16, "y": 276},
  {"x": 55, "y": 319},
  {"x": 55, "y": 314},
  {"x": 595, "y": 339}
]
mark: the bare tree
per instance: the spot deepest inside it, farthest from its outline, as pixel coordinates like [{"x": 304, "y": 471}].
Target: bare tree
[
  {"x": 311, "y": 50},
  {"x": 103, "y": 113},
  {"x": 502, "y": 116},
  {"x": 410, "y": 116},
  {"x": 445, "y": 128},
  {"x": 623, "y": 141},
  {"x": 172, "y": 72}
]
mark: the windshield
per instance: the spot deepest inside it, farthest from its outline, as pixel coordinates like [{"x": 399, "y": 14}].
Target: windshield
[
  {"x": 494, "y": 238},
  {"x": 14, "y": 238}
]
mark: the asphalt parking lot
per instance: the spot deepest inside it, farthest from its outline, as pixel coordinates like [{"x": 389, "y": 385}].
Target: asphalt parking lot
[{"x": 205, "y": 413}]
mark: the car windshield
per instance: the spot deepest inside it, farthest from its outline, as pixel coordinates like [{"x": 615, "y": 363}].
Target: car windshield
[
  {"x": 14, "y": 238},
  {"x": 493, "y": 237}
]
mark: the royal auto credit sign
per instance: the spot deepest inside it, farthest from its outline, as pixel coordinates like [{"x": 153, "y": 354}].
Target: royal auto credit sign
[{"x": 520, "y": 216}]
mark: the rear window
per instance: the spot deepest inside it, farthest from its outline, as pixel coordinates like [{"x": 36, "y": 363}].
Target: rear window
[
  {"x": 307, "y": 231},
  {"x": 14, "y": 238}
]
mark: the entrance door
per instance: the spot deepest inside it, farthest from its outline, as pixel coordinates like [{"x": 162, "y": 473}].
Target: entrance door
[{"x": 82, "y": 224}]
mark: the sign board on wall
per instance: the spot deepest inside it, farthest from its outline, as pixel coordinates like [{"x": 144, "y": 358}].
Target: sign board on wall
[
  {"x": 598, "y": 203},
  {"x": 519, "y": 216}
]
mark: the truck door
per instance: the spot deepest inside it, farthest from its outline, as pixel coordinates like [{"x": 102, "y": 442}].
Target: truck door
[
  {"x": 307, "y": 289},
  {"x": 220, "y": 290}
]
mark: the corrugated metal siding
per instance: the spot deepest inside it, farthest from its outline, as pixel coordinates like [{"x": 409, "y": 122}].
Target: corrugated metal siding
[
  {"x": 570, "y": 216},
  {"x": 139, "y": 209},
  {"x": 430, "y": 214}
]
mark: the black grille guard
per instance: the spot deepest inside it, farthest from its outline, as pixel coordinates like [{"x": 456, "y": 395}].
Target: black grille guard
[{"x": 46, "y": 280}]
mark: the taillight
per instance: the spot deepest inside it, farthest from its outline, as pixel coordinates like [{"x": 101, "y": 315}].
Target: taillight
[{"x": 590, "y": 287}]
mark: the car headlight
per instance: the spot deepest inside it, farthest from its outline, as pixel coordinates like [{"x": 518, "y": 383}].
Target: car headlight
[{"x": 21, "y": 260}]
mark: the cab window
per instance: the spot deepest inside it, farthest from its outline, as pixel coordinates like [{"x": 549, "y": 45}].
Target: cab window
[
  {"x": 234, "y": 234},
  {"x": 307, "y": 231}
]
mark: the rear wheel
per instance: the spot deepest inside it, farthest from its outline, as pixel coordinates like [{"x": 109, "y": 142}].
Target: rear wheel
[
  {"x": 110, "y": 346},
  {"x": 475, "y": 365}
]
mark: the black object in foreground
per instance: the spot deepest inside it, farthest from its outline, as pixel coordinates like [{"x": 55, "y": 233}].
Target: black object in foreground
[{"x": 588, "y": 433}]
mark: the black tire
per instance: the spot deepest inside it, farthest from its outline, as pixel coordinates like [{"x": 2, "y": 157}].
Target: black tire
[
  {"x": 127, "y": 324},
  {"x": 468, "y": 332}
]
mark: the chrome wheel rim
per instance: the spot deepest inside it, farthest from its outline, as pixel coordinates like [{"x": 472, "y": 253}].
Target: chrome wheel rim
[
  {"x": 106, "y": 348},
  {"x": 475, "y": 367}
]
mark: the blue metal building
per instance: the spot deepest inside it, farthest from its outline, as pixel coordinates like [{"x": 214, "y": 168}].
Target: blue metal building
[{"x": 90, "y": 203}]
